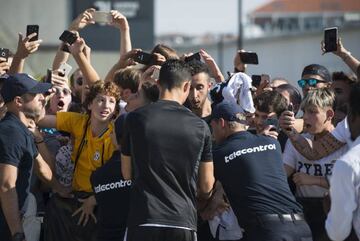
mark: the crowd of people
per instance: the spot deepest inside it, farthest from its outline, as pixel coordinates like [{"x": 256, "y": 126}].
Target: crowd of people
[{"x": 170, "y": 149}]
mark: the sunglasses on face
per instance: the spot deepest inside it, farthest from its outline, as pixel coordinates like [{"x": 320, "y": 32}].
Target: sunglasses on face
[
  {"x": 79, "y": 81},
  {"x": 64, "y": 91},
  {"x": 310, "y": 82}
]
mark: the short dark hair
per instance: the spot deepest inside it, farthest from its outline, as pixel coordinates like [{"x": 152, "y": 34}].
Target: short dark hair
[
  {"x": 295, "y": 96},
  {"x": 316, "y": 69},
  {"x": 270, "y": 101},
  {"x": 341, "y": 76},
  {"x": 197, "y": 67},
  {"x": 151, "y": 90},
  {"x": 354, "y": 99},
  {"x": 166, "y": 51},
  {"x": 173, "y": 73},
  {"x": 128, "y": 78}
]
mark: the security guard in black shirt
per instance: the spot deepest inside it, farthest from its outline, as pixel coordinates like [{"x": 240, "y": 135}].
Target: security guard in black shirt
[{"x": 251, "y": 171}]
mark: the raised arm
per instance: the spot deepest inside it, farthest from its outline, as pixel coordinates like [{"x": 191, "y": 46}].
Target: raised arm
[
  {"x": 84, "y": 19},
  {"x": 345, "y": 55},
  {"x": 90, "y": 74},
  {"x": 24, "y": 49},
  {"x": 214, "y": 68}
]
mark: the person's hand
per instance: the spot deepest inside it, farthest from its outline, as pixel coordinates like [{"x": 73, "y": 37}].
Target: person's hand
[
  {"x": 4, "y": 66},
  {"x": 77, "y": 47},
  {"x": 127, "y": 58},
  {"x": 340, "y": 51},
  {"x": 26, "y": 47},
  {"x": 238, "y": 64},
  {"x": 34, "y": 130},
  {"x": 268, "y": 131},
  {"x": 119, "y": 21},
  {"x": 86, "y": 210},
  {"x": 84, "y": 19},
  {"x": 301, "y": 178},
  {"x": 149, "y": 74},
  {"x": 264, "y": 85},
  {"x": 287, "y": 121},
  {"x": 159, "y": 59},
  {"x": 209, "y": 60},
  {"x": 58, "y": 79}
]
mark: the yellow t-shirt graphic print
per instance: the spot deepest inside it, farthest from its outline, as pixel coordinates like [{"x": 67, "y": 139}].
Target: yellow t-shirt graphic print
[{"x": 95, "y": 152}]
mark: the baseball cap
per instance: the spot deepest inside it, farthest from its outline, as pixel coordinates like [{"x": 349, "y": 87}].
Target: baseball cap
[
  {"x": 19, "y": 84},
  {"x": 316, "y": 69},
  {"x": 227, "y": 111}
]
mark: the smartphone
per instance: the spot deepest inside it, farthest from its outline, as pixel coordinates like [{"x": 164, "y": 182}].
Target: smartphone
[
  {"x": 144, "y": 58},
  {"x": 32, "y": 29},
  {"x": 192, "y": 57},
  {"x": 330, "y": 39},
  {"x": 68, "y": 37},
  {"x": 4, "y": 53},
  {"x": 65, "y": 68},
  {"x": 102, "y": 17},
  {"x": 249, "y": 57},
  {"x": 48, "y": 76},
  {"x": 256, "y": 79},
  {"x": 272, "y": 122}
]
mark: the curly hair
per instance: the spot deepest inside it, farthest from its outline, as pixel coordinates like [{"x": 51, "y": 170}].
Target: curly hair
[{"x": 99, "y": 87}]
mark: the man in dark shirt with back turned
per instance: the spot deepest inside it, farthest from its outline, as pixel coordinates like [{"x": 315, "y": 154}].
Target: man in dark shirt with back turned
[
  {"x": 172, "y": 161},
  {"x": 251, "y": 171}
]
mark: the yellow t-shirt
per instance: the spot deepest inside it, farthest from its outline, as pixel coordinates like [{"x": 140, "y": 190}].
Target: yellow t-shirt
[{"x": 95, "y": 152}]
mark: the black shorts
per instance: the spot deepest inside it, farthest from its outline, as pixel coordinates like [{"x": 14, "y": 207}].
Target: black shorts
[{"x": 146, "y": 233}]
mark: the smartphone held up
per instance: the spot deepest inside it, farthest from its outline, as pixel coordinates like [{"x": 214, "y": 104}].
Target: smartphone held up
[
  {"x": 330, "y": 39},
  {"x": 30, "y": 29}
]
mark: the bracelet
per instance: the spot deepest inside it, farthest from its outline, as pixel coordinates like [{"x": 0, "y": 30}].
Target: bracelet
[{"x": 39, "y": 142}]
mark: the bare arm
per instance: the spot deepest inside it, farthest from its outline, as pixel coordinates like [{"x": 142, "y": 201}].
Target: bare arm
[
  {"x": 49, "y": 121},
  {"x": 206, "y": 180},
  {"x": 90, "y": 74},
  {"x": 9, "y": 198},
  {"x": 126, "y": 167},
  {"x": 214, "y": 68},
  {"x": 24, "y": 49}
]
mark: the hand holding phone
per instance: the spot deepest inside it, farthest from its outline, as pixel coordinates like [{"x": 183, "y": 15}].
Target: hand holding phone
[
  {"x": 272, "y": 122},
  {"x": 143, "y": 58},
  {"x": 330, "y": 39},
  {"x": 48, "y": 76},
  {"x": 30, "y": 29},
  {"x": 192, "y": 57},
  {"x": 4, "y": 53},
  {"x": 249, "y": 57},
  {"x": 65, "y": 69}
]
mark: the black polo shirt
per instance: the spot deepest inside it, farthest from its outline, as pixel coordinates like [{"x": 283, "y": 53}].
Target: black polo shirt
[
  {"x": 112, "y": 195},
  {"x": 167, "y": 142},
  {"x": 251, "y": 171},
  {"x": 17, "y": 148}
]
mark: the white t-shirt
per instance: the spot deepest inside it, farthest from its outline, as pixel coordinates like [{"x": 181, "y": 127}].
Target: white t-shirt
[
  {"x": 342, "y": 132},
  {"x": 345, "y": 195},
  {"x": 322, "y": 167}
]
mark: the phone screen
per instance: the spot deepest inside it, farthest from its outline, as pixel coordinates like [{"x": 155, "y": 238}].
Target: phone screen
[
  {"x": 330, "y": 39},
  {"x": 102, "y": 17},
  {"x": 48, "y": 76},
  {"x": 249, "y": 57},
  {"x": 256, "y": 79},
  {"x": 32, "y": 29},
  {"x": 143, "y": 58},
  {"x": 68, "y": 37}
]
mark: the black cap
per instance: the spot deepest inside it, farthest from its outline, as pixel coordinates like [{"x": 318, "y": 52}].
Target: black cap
[
  {"x": 19, "y": 84},
  {"x": 226, "y": 110}
]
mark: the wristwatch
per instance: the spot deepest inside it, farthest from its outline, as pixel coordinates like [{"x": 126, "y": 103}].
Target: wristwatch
[{"x": 18, "y": 237}]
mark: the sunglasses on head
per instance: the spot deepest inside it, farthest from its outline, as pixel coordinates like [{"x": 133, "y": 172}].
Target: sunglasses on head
[{"x": 310, "y": 82}]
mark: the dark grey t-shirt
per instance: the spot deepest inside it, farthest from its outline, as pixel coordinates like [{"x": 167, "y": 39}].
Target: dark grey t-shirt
[{"x": 166, "y": 142}]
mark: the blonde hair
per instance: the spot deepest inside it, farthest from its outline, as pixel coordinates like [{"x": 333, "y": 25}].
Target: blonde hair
[{"x": 322, "y": 98}]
